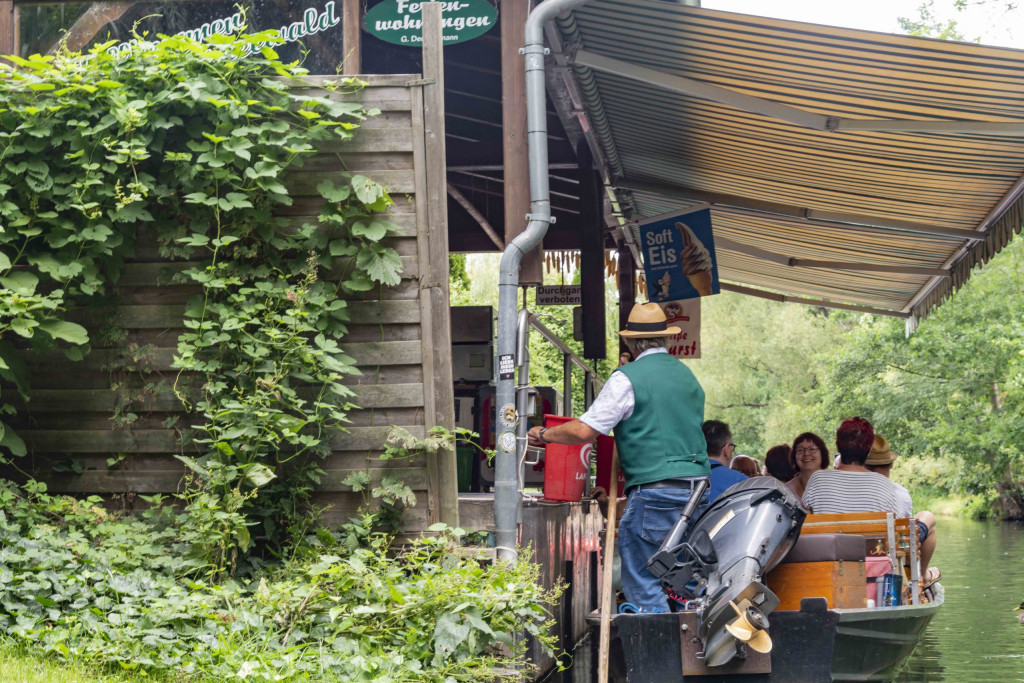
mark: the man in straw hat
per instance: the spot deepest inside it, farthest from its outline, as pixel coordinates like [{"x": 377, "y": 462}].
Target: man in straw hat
[
  {"x": 880, "y": 460},
  {"x": 656, "y": 407}
]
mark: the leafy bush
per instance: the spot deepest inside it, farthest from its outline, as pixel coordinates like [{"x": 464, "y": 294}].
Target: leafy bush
[
  {"x": 194, "y": 142},
  {"x": 83, "y": 583}
]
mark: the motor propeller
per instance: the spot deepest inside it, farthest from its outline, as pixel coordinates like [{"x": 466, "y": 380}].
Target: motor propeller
[{"x": 751, "y": 627}]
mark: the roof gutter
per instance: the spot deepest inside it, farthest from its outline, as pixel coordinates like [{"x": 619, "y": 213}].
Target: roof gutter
[{"x": 506, "y": 491}]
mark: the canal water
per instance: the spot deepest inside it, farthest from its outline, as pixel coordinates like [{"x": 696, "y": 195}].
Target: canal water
[{"x": 976, "y": 637}]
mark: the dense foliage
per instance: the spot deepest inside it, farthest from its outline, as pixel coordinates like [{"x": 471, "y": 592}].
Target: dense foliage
[
  {"x": 191, "y": 143},
  {"x": 953, "y": 391},
  {"x": 79, "y": 582}
]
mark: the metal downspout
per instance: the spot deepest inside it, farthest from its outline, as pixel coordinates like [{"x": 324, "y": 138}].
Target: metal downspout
[{"x": 506, "y": 494}]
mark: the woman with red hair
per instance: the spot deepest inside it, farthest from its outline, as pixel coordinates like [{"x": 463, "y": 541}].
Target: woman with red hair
[{"x": 851, "y": 487}]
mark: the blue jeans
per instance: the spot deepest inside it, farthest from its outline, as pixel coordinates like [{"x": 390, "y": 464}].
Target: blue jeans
[{"x": 650, "y": 514}]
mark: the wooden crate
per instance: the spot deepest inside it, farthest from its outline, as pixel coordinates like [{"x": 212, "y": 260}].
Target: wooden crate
[{"x": 842, "y": 583}]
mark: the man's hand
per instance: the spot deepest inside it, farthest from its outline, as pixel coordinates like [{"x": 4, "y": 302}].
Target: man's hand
[{"x": 570, "y": 434}]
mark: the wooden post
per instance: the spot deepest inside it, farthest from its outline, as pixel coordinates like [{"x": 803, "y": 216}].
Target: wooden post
[
  {"x": 8, "y": 28},
  {"x": 604, "y": 640},
  {"x": 514, "y": 144},
  {"x": 434, "y": 288},
  {"x": 351, "y": 37},
  {"x": 627, "y": 290},
  {"x": 592, "y": 257}
]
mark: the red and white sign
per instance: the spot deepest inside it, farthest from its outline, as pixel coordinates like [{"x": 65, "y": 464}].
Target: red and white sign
[{"x": 685, "y": 315}]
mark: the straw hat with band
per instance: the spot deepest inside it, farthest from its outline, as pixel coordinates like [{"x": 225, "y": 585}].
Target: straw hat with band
[
  {"x": 647, "y": 320},
  {"x": 880, "y": 454}
]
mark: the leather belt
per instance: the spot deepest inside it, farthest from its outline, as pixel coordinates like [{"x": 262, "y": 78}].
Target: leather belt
[{"x": 687, "y": 483}]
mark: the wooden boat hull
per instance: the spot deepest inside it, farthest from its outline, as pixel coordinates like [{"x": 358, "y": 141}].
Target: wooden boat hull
[{"x": 810, "y": 645}]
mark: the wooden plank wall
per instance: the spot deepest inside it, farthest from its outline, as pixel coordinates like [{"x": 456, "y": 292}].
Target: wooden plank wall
[{"x": 69, "y": 421}]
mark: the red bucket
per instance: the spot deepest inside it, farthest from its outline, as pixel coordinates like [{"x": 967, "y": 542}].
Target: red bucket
[
  {"x": 565, "y": 467},
  {"x": 605, "y": 444}
]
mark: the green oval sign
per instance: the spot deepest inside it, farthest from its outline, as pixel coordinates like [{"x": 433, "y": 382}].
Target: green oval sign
[{"x": 400, "y": 22}]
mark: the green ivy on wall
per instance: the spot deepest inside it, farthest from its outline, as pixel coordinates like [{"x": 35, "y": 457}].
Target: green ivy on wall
[{"x": 194, "y": 141}]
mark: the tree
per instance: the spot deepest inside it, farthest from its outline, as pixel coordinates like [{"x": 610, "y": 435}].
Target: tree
[{"x": 954, "y": 390}]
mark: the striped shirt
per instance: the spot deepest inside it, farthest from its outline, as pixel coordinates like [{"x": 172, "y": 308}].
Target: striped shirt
[{"x": 838, "y": 491}]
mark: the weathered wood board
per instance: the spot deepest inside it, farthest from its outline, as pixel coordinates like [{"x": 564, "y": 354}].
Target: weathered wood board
[{"x": 394, "y": 335}]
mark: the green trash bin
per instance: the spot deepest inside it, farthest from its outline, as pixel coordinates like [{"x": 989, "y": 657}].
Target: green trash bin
[{"x": 464, "y": 455}]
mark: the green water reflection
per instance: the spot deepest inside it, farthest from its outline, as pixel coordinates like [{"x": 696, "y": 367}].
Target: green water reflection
[{"x": 976, "y": 636}]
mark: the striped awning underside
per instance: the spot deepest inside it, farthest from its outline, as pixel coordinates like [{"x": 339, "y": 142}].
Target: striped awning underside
[{"x": 671, "y": 144}]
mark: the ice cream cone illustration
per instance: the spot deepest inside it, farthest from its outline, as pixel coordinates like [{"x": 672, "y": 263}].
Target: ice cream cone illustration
[
  {"x": 696, "y": 261},
  {"x": 664, "y": 282}
]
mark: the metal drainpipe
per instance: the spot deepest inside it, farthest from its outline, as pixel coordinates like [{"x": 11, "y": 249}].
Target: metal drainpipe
[{"x": 506, "y": 494}]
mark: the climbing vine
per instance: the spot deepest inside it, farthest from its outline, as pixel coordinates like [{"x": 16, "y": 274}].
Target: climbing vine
[{"x": 192, "y": 142}]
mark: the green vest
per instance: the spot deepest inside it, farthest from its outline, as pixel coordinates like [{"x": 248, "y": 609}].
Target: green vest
[{"x": 662, "y": 439}]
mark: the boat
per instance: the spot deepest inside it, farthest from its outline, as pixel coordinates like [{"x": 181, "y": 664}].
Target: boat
[{"x": 731, "y": 628}]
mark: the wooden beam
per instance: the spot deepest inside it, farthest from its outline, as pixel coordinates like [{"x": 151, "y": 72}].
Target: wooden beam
[
  {"x": 592, "y": 257},
  {"x": 484, "y": 224},
  {"x": 436, "y": 322},
  {"x": 351, "y": 37},
  {"x": 8, "y": 28},
  {"x": 627, "y": 289},
  {"x": 516, "y": 154}
]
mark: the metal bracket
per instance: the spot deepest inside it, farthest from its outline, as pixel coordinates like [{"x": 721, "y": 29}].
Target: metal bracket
[{"x": 550, "y": 219}]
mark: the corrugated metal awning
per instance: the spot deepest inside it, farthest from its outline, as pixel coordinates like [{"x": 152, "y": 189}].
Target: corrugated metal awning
[{"x": 857, "y": 168}]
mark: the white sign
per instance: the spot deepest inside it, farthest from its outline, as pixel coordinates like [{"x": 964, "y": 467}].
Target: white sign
[
  {"x": 560, "y": 295},
  {"x": 685, "y": 315}
]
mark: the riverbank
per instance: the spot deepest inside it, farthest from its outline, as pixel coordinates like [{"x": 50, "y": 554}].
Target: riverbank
[{"x": 926, "y": 479}]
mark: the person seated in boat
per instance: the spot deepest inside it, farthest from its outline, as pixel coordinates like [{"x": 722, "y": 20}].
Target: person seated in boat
[
  {"x": 661, "y": 466},
  {"x": 746, "y": 465},
  {"x": 851, "y": 487},
  {"x": 776, "y": 462},
  {"x": 880, "y": 460},
  {"x": 720, "y": 449},
  {"x": 807, "y": 456}
]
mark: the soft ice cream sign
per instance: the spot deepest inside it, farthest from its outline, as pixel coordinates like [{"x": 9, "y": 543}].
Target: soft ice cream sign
[
  {"x": 679, "y": 256},
  {"x": 400, "y": 21}
]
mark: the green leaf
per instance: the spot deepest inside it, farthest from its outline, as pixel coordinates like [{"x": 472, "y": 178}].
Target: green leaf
[
  {"x": 13, "y": 442},
  {"x": 367, "y": 191},
  {"x": 20, "y": 282},
  {"x": 259, "y": 474},
  {"x": 331, "y": 193},
  {"x": 24, "y": 327},
  {"x": 72, "y": 333},
  {"x": 374, "y": 232},
  {"x": 5, "y": 262},
  {"x": 342, "y": 248},
  {"x": 381, "y": 264}
]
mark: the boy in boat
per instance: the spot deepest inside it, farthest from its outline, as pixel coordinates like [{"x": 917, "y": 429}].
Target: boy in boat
[{"x": 656, "y": 407}]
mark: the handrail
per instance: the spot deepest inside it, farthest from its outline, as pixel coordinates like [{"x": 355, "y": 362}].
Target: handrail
[{"x": 557, "y": 341}]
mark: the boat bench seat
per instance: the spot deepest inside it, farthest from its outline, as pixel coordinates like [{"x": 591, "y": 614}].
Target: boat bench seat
[
  {"x": 827, "y": 548},
  {"x": 885, "y": 534}
]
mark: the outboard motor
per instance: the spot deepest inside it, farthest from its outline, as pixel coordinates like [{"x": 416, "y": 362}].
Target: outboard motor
[{"x": 721, "y": 565}]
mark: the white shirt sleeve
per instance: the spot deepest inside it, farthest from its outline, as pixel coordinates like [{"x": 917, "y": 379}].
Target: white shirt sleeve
[
  {"x": 904, "y": 503},
  {"x": 613, "y": 405}
]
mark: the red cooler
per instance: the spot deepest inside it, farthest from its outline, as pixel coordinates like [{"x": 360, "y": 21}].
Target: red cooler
[
  {"x": 605, "y": 444},
  {"x": 565, "y": 467}
]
